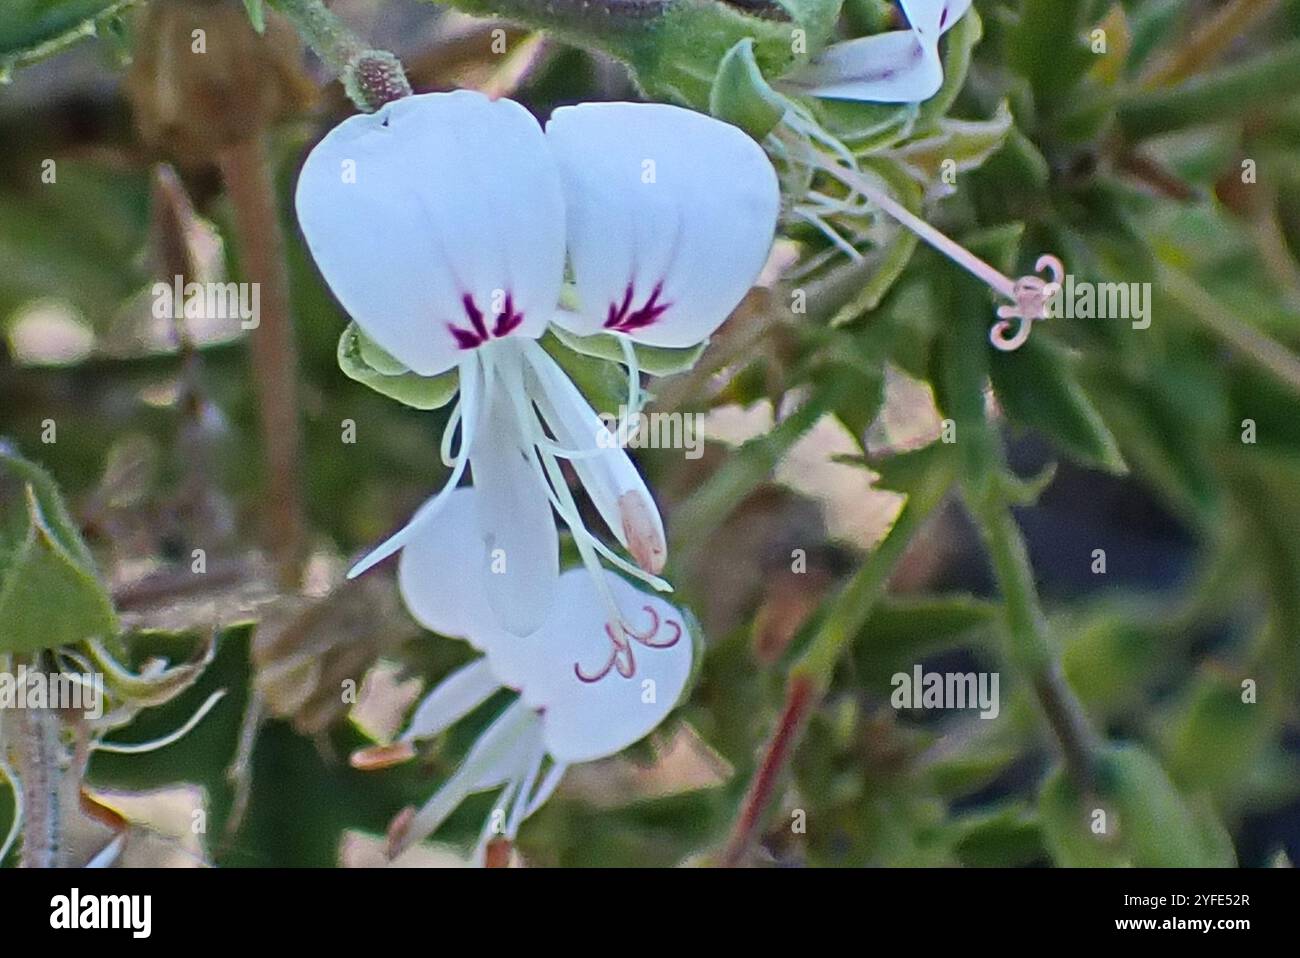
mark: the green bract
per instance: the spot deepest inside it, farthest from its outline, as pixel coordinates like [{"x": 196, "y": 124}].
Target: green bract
[{"x": 361, "y": 359}]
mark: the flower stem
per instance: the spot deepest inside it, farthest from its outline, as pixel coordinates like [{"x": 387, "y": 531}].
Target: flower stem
[
  {"x": 244, "y": 168},
  {"x": 603, "y": 24},
  {"x": 1028, "y": 647}
]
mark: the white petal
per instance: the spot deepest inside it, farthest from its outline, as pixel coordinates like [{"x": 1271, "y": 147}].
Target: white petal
[
  {"x": 430, "y": 209},
  {"x": 586, "y": 719},
  {"x": 930, "y": 18},
  {"x": 894, "y": 67},
  {"x": 501, "y": 753},
  {"x": 671, "y": 216},
  {"x": 439, "y": 572},
  {"x": 611, "y": 480},
  {"x": 452, "y": 699},
  {"x": 518, "y": 546}
]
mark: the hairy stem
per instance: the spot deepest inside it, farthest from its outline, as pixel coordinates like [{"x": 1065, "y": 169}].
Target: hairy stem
[
  {"x": 1029, "y": 647},
  {"x": 371, "y": 77},
  {"x": 40, "y": 770}
]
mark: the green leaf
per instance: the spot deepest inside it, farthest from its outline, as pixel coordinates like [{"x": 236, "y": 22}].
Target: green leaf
[
  {"x": 362, "y": 359},
  {"x": 884, "y": 267},
  {"x": 1036, "y": 386},
  {"x": 1148, "y": 823},
  {"x": 655, "y": 360},
  {"x": 1004, "y": 838},
  {"x": 967, "y": 143},
  {"x": 48, "y": 597},
  {"x": 33, "y": 29}
]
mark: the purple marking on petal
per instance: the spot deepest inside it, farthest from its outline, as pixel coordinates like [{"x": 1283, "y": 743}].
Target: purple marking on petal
[
  {"x": 506, "y": 323},
  {"x": 624, "y": 319},
  {"x": 475, "y": 315},
  {"x": 464, "y": 338},
  {"x": 509, "y": 320}
]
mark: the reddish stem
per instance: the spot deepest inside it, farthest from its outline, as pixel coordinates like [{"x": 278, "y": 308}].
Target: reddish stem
[{"x": 799, "y": 700}]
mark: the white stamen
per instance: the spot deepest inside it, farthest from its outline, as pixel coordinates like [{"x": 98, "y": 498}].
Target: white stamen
[{"x": 470, "y": 372}]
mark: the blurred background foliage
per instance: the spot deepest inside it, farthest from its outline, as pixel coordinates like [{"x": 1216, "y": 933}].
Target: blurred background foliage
[{"x": 1171, "y": 156}]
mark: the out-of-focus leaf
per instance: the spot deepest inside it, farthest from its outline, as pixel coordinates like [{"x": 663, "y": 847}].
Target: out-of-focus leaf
[
  {"x": 361, "y": 359},
  {"x": 1004, "y": 838},
  {"x": 32, "y": 29},
  {"x": 50, "y": 594},
  {"x": 1217, "y": 736},
  {"x": 1147, "y": 823},
  {"x": 1037, "y": 388},
  {"x": 256, "y": 14}
]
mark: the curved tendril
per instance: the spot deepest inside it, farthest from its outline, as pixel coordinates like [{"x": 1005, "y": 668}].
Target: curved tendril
[{"x": 135, "y": 748}]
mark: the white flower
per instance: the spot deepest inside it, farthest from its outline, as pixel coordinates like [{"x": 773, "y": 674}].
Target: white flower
[
  {"x": 585, "y": 692},
  {"x": 900, "y": 66},
  {"x": 442, "y": 224}
]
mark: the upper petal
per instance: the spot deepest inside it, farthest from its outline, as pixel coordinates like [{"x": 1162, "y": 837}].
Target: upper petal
[
  {"x": 671, "y": 216},
  {"x": 435, "y": 220},
  {"x": 894, "y": 67},
  {"x": 930, "y": 18}
]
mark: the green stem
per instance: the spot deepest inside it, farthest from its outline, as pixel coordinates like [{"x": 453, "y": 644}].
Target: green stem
[
  {"x": 1029, "y": 648},
  {"x": 371, "y": 77},
  {"x": 1271, "y": 78},
  {"x": 602, "y": 24}
]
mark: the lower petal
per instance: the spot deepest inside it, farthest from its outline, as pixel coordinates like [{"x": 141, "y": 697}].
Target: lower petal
[{"x": 520, "y": 548}]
